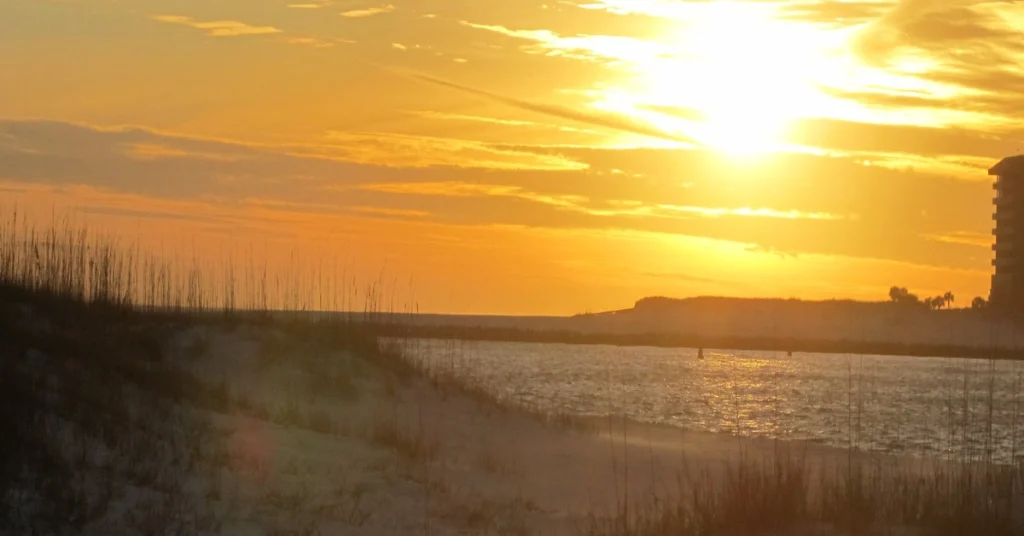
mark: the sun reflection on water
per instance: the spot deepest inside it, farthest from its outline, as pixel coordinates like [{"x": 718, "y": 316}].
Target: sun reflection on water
[{"x": 891, "y": 404}]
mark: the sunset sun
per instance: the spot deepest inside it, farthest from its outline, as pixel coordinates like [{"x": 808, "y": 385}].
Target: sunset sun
[{"x": 743, "y": 75}]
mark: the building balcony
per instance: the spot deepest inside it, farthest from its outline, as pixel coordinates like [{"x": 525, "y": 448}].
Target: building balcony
[
  {"x": 1006, "y": 231},
  {"x": 1005, "y": 262}
]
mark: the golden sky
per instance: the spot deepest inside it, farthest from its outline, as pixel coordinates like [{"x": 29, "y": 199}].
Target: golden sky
[{"x": 532, "y": 157}]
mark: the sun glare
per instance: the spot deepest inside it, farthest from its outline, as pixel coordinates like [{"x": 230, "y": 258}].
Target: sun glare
[{"x": 744, "y": 74}]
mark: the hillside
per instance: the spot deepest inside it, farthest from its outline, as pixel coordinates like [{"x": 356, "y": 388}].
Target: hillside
[
  {"x": 831, "y": 320},
  {"x": 843, "y": 326}
]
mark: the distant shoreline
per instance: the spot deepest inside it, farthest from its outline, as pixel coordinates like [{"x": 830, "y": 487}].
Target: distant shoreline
[{"x": 684, "y": 340}]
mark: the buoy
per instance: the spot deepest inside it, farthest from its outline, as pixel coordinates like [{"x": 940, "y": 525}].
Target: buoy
[{"x": 700, "y": 353}]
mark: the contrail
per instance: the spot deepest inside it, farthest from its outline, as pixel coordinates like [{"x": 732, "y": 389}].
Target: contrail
[{"x": 612, "y": 122}]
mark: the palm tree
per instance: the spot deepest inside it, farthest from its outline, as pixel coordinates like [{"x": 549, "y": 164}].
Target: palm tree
[
  {"x": 948, "y": 298},
  {"x": 902, "y": 295}
]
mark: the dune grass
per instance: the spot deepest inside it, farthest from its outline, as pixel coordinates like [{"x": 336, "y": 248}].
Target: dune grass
[
  {"x": 959, "y": 492},
  {"x": 783, "y": 493}
]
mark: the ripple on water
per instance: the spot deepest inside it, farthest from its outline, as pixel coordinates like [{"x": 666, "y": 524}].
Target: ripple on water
[{"x": 893, "y": 404}]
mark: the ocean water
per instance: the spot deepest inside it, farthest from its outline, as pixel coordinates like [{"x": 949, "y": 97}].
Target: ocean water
[{"x": 915, "y": 405}]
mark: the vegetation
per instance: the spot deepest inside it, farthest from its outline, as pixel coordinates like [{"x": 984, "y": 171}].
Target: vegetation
[
  {"x": 782, "y": 494},
  {"x": 902, "y": 296}
]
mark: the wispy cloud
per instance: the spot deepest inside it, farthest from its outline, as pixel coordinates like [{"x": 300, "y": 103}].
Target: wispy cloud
[
  {"x": 310, "y": 5},
  {"x": 580, "y": 203},
  {"x": 474, "y": 118},
  {"x": 156, "y": 151},
  {"x": 662, "y": 210},
  {"x": 309, "y": 42},
  {"x": 715, "y": 212},
  {"x": 464, "y": 189},
  {"x": 394, "y": 212},
  {"x": 368, "y": 12},
  {"x": 600, "y": 48},
  {"x": 424, "y": 151},
  {"x": 967, "y": 238},
  {"x": 494, "y": 121},
  {"x": 221, "y": 28}
]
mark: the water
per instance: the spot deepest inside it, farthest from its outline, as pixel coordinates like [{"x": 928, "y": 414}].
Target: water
[{"x": 911, "y": 405}]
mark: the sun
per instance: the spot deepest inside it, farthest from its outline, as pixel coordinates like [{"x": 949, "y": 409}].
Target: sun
[{"x": 743, "y": 74}]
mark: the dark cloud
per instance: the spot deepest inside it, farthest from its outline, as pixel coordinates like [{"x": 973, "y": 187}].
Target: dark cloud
[
  {"x": 955, "y": 31},
  {"x": 150, "y": 163}
]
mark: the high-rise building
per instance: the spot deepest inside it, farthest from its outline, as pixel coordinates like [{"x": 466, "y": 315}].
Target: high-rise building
[{"x": 1007, "y": 290}]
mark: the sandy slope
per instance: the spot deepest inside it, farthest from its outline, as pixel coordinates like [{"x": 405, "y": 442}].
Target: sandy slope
[{"x": 408, "y": 459}]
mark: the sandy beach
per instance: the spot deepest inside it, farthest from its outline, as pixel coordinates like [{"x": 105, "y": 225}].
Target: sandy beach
[{"x": 425, "y": 457}]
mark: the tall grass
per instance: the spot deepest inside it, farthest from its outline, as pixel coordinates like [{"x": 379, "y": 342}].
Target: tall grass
[{"x": 67, "y": 260}]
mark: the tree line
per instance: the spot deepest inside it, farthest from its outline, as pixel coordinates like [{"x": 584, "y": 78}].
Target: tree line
[{"x": 902, "y": 296}]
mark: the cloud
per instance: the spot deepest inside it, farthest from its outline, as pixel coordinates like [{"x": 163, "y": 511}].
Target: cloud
[
  {"x": 224, "y": 28},
  {"x": 611, "y": 49},
  {"x": 715, "y": 212},
  {"x": 397, "y": 212},
  {"x": 368, "y": 12},
  {"x": 650, "y": 8},
  {"x": 396, "y": 150},
  {"x": 799, "y": 203},
  {"x": 309, "y": 42},
  {"x": 579, "y": 203},
  {"x": 496, "y": 121},
  {"x": 156, "y": 151},
  {"x": 462, "y": 189},
  {"x": 953, "y": 29},
  {"x": 606, "y": 120},
  {"x": 981, "y": 240},
  {"x": 178, "y": 166},
  {"x": 920, "y": 141},
  {"x": 831, "y": 13}
]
